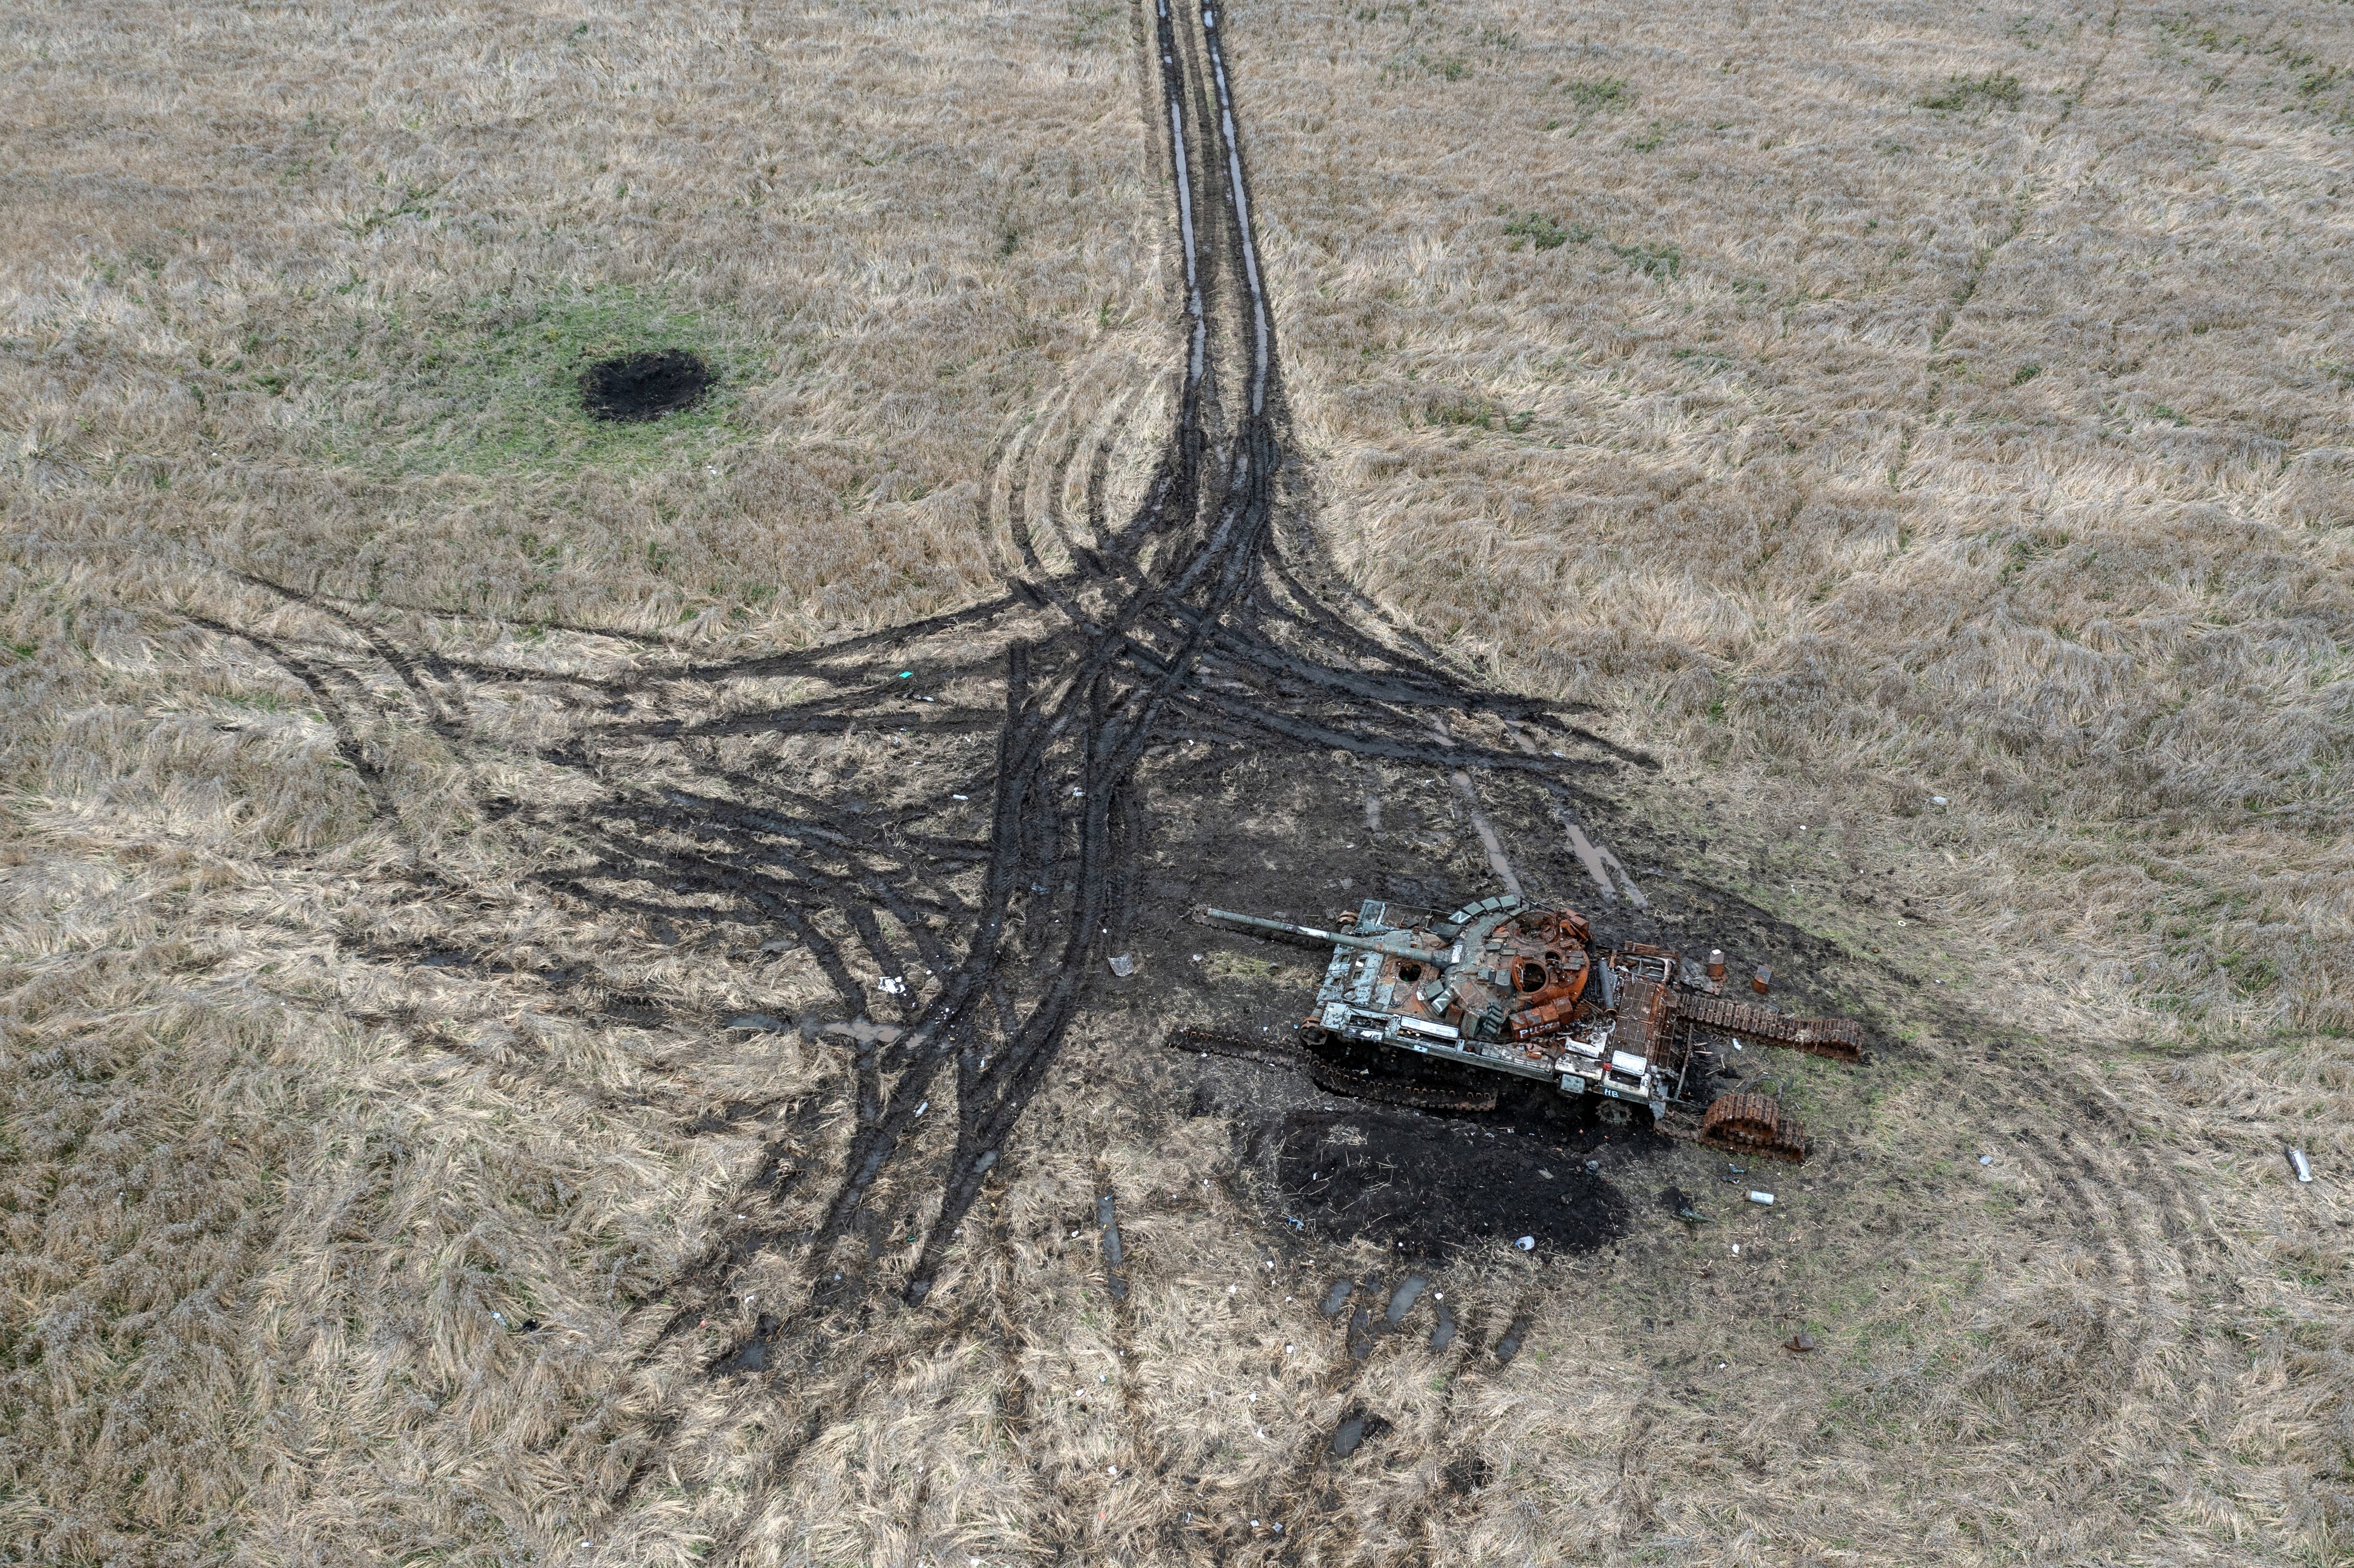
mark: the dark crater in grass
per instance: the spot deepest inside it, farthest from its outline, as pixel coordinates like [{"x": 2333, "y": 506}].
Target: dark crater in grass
[
  {"x": 1428, "y": 1185},
  {"x": 633, "y": 387}
]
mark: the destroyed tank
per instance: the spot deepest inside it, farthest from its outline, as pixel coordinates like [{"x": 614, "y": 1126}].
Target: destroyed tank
[{"x": 1420, "y": 1010}]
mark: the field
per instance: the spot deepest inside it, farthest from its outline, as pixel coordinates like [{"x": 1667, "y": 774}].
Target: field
[{"x": 555, "y": 974}]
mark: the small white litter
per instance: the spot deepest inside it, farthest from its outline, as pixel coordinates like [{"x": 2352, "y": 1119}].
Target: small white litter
[
  {"x": 1764, "y": 1198},
  {"x": 1986, "y": 1159},
  {"x": 1936, "y": 799},
  {"x": 1526, "y": 1244},
  {"x": 2304, "y": 1166},
  {"x": 960, "y": 797},
  {"x": 1123, "y": 966}
]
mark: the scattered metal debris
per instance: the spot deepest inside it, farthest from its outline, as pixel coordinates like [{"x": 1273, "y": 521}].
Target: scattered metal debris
[{"x": 1800, "y": 1342}]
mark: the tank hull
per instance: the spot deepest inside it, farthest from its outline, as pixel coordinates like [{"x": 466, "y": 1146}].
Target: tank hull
[{"x": 1508, "y": 990}]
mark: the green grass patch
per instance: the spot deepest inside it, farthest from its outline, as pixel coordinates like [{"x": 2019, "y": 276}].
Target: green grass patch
[
  {"x": 1239, "y": 967},
  {"x": 1592, "y": 93},
  {"x": 1999, "y": 90},
  {"x": 1476, "y": 416},
  {"x": 1424, "y": 62},
  {"x": 1540, "y": 231},
  {"x": 1652, "y": 260},
  {"x": 1705, "y": 361},
  {"x": 494, "y": 388}
]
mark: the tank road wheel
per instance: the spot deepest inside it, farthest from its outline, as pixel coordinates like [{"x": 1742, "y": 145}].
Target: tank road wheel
[
  {"x": 1753, "y": 1124},
  {"x": 1615, "y": 1114}
]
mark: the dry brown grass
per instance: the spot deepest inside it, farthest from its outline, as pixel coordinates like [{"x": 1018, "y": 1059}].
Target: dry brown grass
[{"x": 1748, "y": 458}]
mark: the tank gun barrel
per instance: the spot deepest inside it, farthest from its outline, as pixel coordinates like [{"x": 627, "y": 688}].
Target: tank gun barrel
[{"x": 1400, "y": 942}]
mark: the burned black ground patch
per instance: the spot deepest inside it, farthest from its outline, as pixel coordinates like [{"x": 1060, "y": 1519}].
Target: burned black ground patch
[
  {"x": 634, "y": 387},
  {"x": 1430, "y": 1186}
]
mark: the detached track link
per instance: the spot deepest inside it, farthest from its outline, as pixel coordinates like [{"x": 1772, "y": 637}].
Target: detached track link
[
  {"x": 1840, "y": 1038},
  {"x": 1753, "y": 1124}
]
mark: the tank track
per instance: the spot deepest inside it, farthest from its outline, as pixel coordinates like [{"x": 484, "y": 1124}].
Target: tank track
[
  {"x": 1753, "y": 1124},
  {"x": 1350, "y": 1083},
  {"x": 1840, "y": 1038}
]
